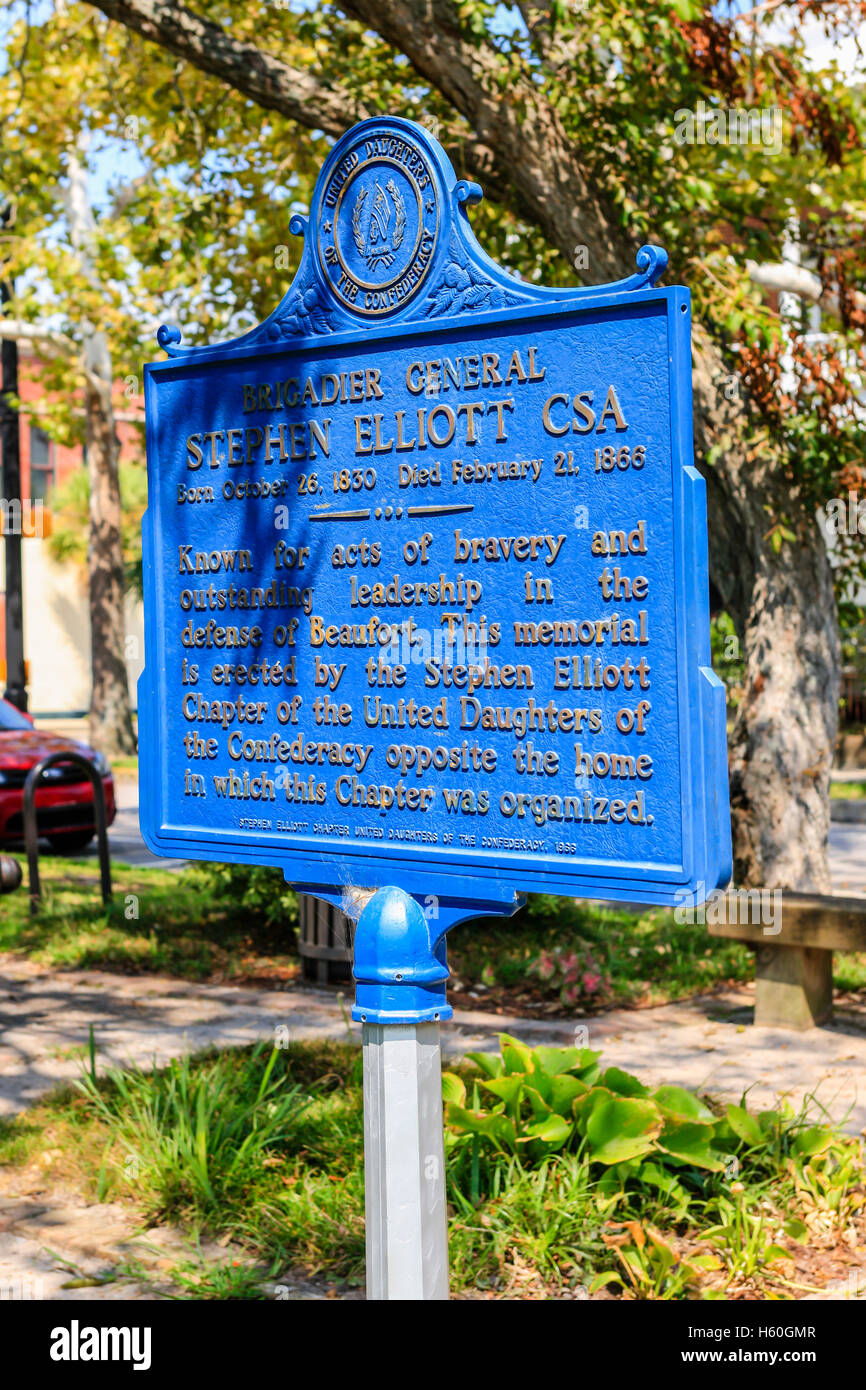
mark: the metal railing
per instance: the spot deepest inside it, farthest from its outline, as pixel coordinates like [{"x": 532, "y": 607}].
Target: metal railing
[{"x": 31, "y": 833}]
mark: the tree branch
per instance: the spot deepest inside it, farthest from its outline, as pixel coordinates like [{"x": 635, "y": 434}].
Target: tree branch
[
  {"x": 510, "y": 114},
  {"x": 788, "y": 278},
  {"x": 514, "y": 134},
  {"x": 555, "y": 47},
  {"x": 49, "y": 341},
  {"x": 271, "y": 83},
  {"x": 56, "y": 344},
  {"x": 275, "y": 85}
]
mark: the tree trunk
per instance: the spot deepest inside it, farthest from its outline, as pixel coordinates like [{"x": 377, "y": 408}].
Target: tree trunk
[
  {"x": 784, "y": 736},
  {"x": 111, "y": 729},
  {"x": 783, "y": 605}
]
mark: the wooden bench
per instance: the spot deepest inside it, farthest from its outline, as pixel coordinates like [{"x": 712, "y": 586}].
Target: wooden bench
[
  {"x": 324, "y": 941},
  {"x": 794, "y": 969}
]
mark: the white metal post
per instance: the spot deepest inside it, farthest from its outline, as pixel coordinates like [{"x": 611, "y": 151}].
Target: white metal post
[{"x": 404, "y": 1162}]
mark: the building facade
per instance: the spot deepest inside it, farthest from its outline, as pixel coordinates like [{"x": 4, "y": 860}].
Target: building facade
[{"x": 55, "y": 599}]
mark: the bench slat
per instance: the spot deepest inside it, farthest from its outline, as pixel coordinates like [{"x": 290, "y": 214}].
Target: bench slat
[{"x": 807, "y": 919}]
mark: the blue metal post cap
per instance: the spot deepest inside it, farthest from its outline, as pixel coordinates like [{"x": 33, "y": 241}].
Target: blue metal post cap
[{"x": 400, "y": 970}]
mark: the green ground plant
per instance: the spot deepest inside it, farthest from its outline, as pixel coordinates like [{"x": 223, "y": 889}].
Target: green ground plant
[
  {"x": 564, "y": 1176},
  {"x": 587, "y": 956},
  {"x": 667, "y": 1163},
  {"x": 193, "y": 1135}
]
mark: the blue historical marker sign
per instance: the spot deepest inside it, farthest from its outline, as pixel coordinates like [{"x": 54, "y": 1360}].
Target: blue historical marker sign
[{"x": 426, "y": 568}]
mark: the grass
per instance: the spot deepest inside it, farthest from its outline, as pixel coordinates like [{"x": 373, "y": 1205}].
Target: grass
[
  {"x": 847, "y": 791},
  {"x": 265, "y": 1149},
  {"x": 849, "y": 970},
  {"x": 192, "y": 1135},
  {"x": 158, "y": 920},
  {"x": 226, "y": 922},
  {"x": 127, "y": 764}
]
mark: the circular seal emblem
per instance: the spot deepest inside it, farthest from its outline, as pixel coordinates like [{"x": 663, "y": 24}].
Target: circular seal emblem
[{"x": 378, "y": 222}]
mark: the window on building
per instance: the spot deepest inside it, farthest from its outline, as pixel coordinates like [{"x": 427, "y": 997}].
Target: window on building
[{"x": 41, "y": 464}]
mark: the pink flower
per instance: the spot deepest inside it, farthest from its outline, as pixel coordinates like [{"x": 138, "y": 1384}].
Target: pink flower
[
  {"x": 545, "y": 966},
  {"x": 591, "y": 982}
]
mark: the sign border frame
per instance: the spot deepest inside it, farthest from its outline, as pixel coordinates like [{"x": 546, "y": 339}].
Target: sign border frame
[{"x": 701, "y": 709}]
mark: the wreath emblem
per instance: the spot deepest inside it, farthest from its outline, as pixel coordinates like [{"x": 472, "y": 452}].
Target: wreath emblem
[{"x": 378, "y": 223}]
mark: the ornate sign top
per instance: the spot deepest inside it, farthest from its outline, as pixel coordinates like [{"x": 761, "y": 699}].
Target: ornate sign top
[
  {"x": 426, "y": 569},
  {"x": 378, "y": 223},
  {"x": 388, "y": 240}
]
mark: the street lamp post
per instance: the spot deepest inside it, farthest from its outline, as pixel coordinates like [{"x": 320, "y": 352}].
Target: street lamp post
[{"x": 16, "y": 690}]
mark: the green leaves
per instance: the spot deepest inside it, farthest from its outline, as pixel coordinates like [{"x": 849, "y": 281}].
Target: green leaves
[
  {"x": 623, "y": 1083},
  {"x": 744, "y": 1125},
  {"x": 688, "y": 10},
  {"x": 691, "y": 1144},
  {"x": 534, "y": 1091},
  {"x": 516, "y": 1056},
  {"x": 677, "y": 1104},
  {"x": 796, "y": 1229},
  {"x": 778, "y": 535},
  {"x": 553, "y": 1132},
  {"x": 548, "y": 1098},
  {"x": 564, "y": 1091},
  {"x": 531, "y": 1103},
  {"x": 486, "y": 1062},
  {"x": 557, "y": 1093},
  {"x": 492, "y": 1125},
  {"x": 620, "y": 1129},
  {"x": 507, "y": 1088},
  {"x": 810, "y": 1142},
  {"x": 453, "y": 1089},
  {"x": 556, "y": 1060}
]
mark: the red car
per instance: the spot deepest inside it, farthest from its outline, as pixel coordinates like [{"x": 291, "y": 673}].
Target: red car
[{"x": 65, "y": 813}]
